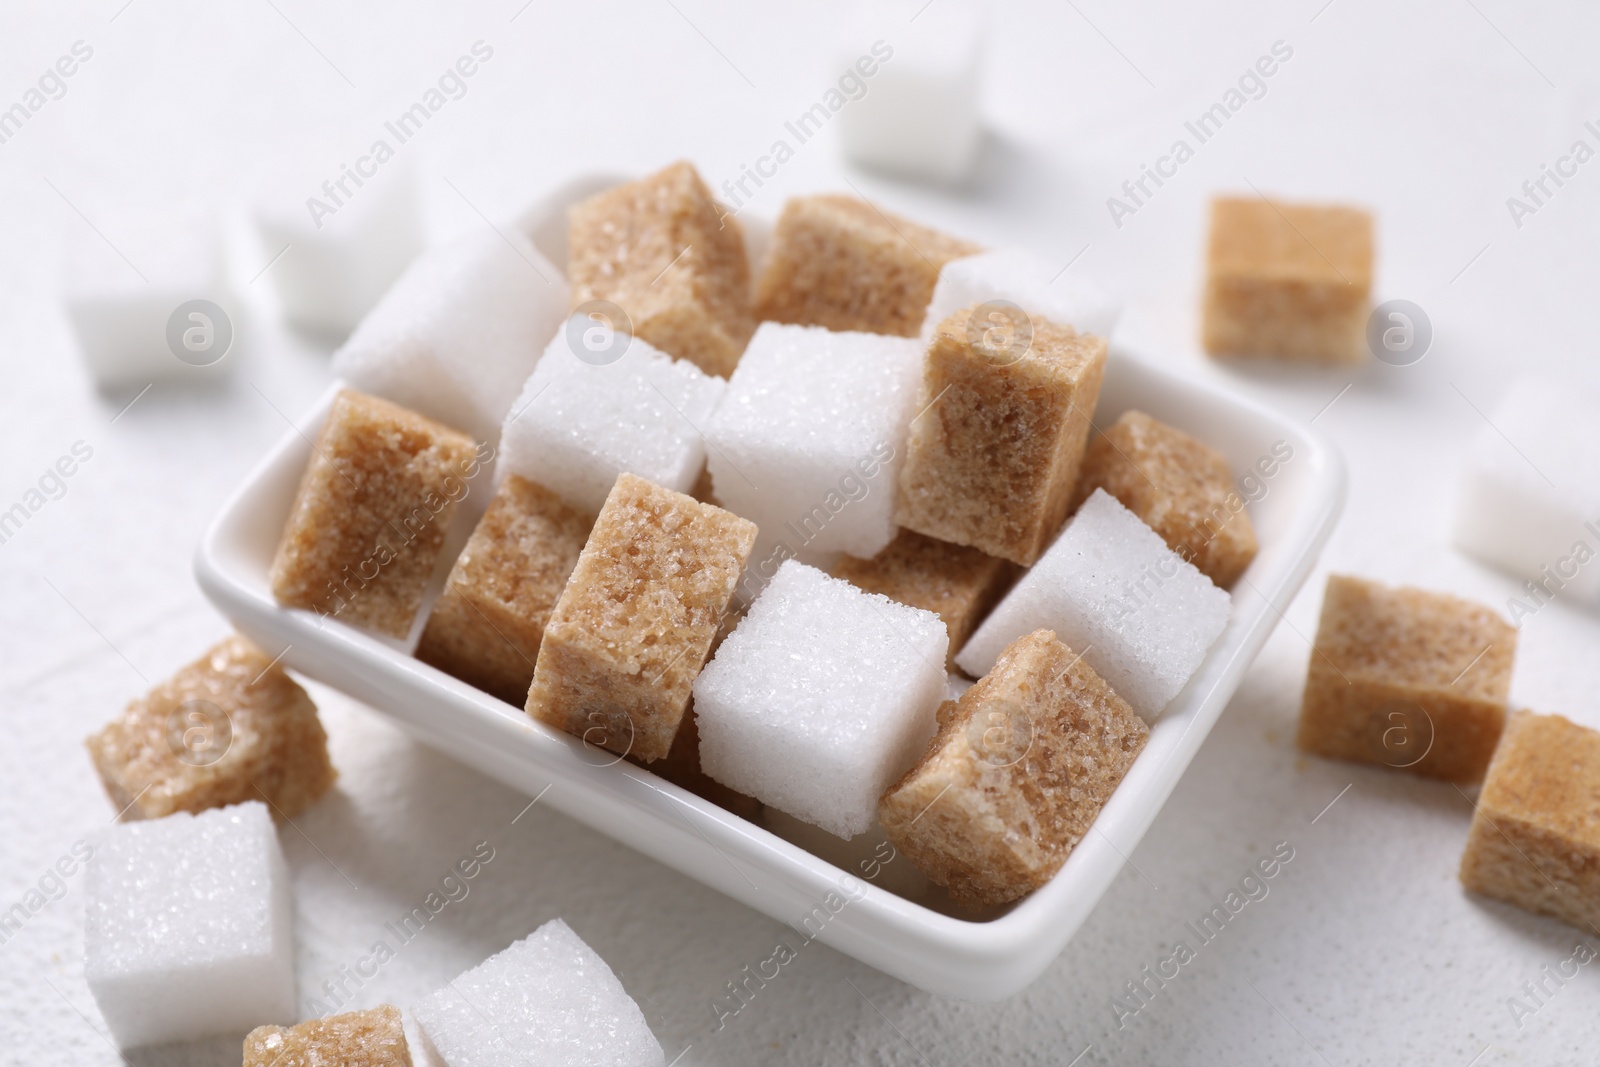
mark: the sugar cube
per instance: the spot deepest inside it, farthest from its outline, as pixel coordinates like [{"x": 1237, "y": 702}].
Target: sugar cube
[
  {"x": 1179, "y": 487},
  {"x": 1289, "y": 281},
  {"x": 636, "y": 620},
  {"x": 487, "y": 624},
  {"x": 189, "y": 930},
  {"x": 370, "y": 518},
  {"x": 1022, "y": 279},
  {"x": 1535, "y": 838},
  {"x": 1020, "y": 768},
  {"x": 839, "y": 262},
  {"x": 1110, "y": 587},
  {"x": 549, "y": 1000},
  {"x": 373, "y": 1038},
  {"x": 1407, "y": 678},
  {"x": 681, "y": 767},
  {"x": 231, "y": 726},
  {"x": 581, "y": 421},
  {"x": 810, "y": 435},
  {"x": 995, "y": 449},
  {"x": 821, "y": 697},
  {"x": 663, "y": 251}
]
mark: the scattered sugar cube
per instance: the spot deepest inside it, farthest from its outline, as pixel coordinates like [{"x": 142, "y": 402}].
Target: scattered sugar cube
[
  {"x": 487, "y": 624},
  {"x": 637, "y": 618},
  {"x": 370, "y": 518},
  {"x": 1179, "y": 487},
  {"x": 820, "y": 698},
  {"x": 373, "y": 1038},
  {"x": 547, "y": 1000},
  {"x": 840, "y": 262},
  {"x": 1289, "y": 281},
  {"x": 1109, "y": 586},
  {"x": 580, "y": 423},
  {"x": 995, "y": 449},
  {"x": 810, "y": 435},
  {"x": 956, "y": 583},
  {"x": 1022, "y": 279},
  {"x": 1022, "y": 764},
  {"x": 1535, "y": 838},
  {"x": 1407, "y": 678},
  {"x": 189, "y": 930},
  {"x": 232, "y": 726},
  {"x": 662, "y": 250}
]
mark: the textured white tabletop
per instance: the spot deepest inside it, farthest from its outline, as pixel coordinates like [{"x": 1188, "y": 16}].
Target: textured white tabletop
[{"x": 1366, "y": 950}]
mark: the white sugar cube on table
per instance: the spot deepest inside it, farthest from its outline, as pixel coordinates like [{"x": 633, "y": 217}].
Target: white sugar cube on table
[
  {"x": 189, "y": 929},
  {"x": 821, "y": 698},
  {"x": 1112, "y": 591},
  {"x": 460, "y": 332},
  {"x": 810, "y": 437},
  {"x": 581, "y": 420},
  {"x": 547, "y": 1000},
  {"x": 1023, "y": 279}
]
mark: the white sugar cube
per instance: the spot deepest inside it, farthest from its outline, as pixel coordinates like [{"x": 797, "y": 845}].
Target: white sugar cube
[
  {"x": 810, "y": 438},
  {"x": 460, "y": 332},
  {"x": 1113, "y": 591},
  {"x": 1022, "y": 278},
  {"x": 189, "y": 930},
  {"x": 821, "y": 698},
  {"x": 581, "y": 420},
  {"x": 1529, "y": 500},
  {"x": 547, "y": 1000}
]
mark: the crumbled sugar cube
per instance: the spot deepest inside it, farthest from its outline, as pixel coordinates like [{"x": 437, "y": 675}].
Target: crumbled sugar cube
[
  {"x": 232, "y": 726},
  {"x": 1020, "y": 768},
  {"x": 1180, "y": 487},
  {"x": 1110, "y": 586},
  {"x": 580, "y": 422},
  {"x": 662, "y": 249},
  {"x": 1535, "y": 838},
  {"x": 996, "y": 447},
  {"x": 373, "y": 1038},
  {"x": 810, "y": 435},
  {"x": 1023, "y": 279},
  {"x": 370, "y": 518},
  {"x": 840, "y": 262},
  {"x": 188, "y": 929},
  {"x": 821, "y": 697},
  {"x": 1288, "y": 281},
  {"x": 636, "y": 620},
  {"x": 547, "y": 1000},
  {"x": 1407, "y": 678},
  {"x": 487, "y": 624}
]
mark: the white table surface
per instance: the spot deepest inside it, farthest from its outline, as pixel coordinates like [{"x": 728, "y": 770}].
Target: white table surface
[{"x": 1366, "y": 949}]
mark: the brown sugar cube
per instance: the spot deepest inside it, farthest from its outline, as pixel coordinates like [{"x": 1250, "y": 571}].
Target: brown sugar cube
[
  {"x": 993, "y": 456},
  {"x": 1020, "y": 768},
  {"x": 636, "y": 621},
  {"x": 1407, "y": 678},
  {"x": 1535, "y": 838},
  {"x": 956, "y": 583},
  {"x": 232, "y": 726},
  {"x": 1179, "y": 487},
  {"x": 662, "y": 250},
  {"x": 372, "y": 1038},
  {"x": 371, "y": 514},
  {"x": 839, "y": 262},
  {"x": 1289, "y": 281}
]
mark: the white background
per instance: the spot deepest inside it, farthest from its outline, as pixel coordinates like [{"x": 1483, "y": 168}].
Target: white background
[{"x": 1366, "y": 949}]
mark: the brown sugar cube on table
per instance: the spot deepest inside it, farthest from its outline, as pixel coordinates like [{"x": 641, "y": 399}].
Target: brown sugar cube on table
[
  {"x": 1406, "y": 678},
  {"x": 993, "y": 456},
  {"x": 840, "y": 262},
  {"x": 1289, "y": 281},
  {"x": 373, "y": 1038},
  {"x": 1535, "y": 838},
  {"x": 661, "y": 249},
  {"x": 637, "y": 619},
  {"x": 1020, "y": 768},
  {"x": 371, "y": 515},
  {"x": 1179, "y": 487},
  {"x": 230, "y": 727}
]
